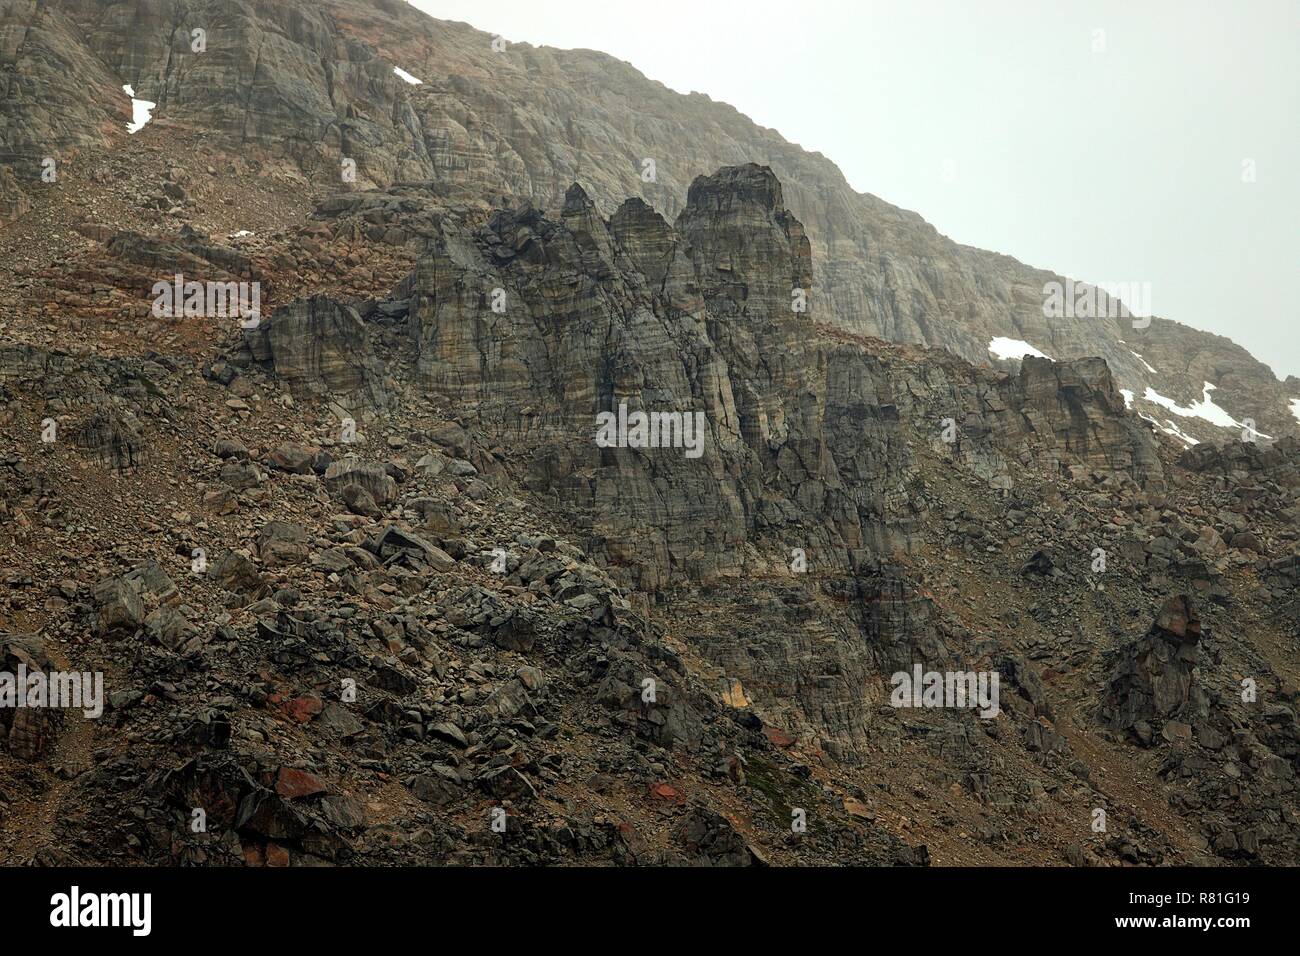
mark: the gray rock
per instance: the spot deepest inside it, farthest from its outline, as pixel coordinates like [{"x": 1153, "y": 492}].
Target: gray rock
[{"x": 117, "y": 606}]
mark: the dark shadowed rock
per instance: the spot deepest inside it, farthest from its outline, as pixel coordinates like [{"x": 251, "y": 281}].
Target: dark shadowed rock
[{"x": 1154, "y": 677}]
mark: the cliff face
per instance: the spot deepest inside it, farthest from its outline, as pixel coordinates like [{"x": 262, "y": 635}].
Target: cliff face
[
  {"x": 801, "y": 436},
  {"x": 315, "y": 84}
]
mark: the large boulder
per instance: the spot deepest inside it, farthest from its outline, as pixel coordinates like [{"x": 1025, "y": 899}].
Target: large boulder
[
  {"x": 282, "y": 543},
  {"x": 321, "y": 346},
  {"x": 117, "y": 605},
  {"x": 235, "y": 571},
  {"x": 371, "y": 476}
]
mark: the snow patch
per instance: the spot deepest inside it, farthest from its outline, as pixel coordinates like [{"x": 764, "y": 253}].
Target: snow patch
[
  {"x": 1204, "y": 409},
  {"x": 402, "y": 74},
  {"x": 1178, "y": 433},
  {"x": 1295, "y": 408},
  {"x": 1144, "y": 362},
  {"x": 1128, "y": 397},
  {"x": 1005, "y": 348},
  {"x": 141, "y": 110},
  {"x": 241, "y": 234},
  {"x": 1173, "y": 430}
]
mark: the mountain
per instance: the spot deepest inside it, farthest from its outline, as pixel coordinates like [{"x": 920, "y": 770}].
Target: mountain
[
  {"x": 498, "y": 505},
  {"x": 316, "y": 85}
]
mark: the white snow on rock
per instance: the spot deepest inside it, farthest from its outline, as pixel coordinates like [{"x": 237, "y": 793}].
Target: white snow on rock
[
  {"x": 1173, "y": 430},
  {"x": 1178, "y": 433},
  {"x": 1144, "y": 362},
  {"x": 1005, "y": 348},
  {"x": 1295, "y": 408},
  {"x": 1204, "y": 409},
  {"x": 402, "y": 74},
  {"x": 141, "y": 110},
  {"x": 1128, "y": 397},
  {"x": 241, "y": 234}
]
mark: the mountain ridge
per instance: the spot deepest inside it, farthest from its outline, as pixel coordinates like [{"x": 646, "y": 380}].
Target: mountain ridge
[{"x": 886, "y": 271}]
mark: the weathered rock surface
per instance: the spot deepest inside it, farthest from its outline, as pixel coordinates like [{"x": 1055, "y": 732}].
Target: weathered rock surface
[
  {"x": 700, "y": 320},
  {"x": 321, "y": 346},
  {"x": 1154, "y": 679}
]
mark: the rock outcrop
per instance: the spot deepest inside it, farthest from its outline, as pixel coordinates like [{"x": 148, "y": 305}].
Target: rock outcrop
[
  {"x": 321, "y": 346},
  {"x": 1154, "y": 680},
  {"x": 712, "y": 320}
]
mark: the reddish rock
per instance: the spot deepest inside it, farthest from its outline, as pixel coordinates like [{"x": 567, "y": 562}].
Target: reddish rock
[
  {"x": 303, "y": 709},
  {"x": 665, "y": 792},
  {"x": 1178, "y": 617},
  {"x": 778, "y": 738},
  {"x": 295, "y": 784},
  {"x": 292, "y": 457},
  {"x": 276, "y": 855}
]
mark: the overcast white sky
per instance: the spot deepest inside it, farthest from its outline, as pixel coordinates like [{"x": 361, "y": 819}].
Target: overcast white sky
[{"x": 1117, "y": 165}]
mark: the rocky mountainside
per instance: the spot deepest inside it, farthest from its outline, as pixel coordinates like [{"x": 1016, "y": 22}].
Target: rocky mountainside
[
  {"x": 539, "y": 513},
  {"x": 314, "y": 85}
]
